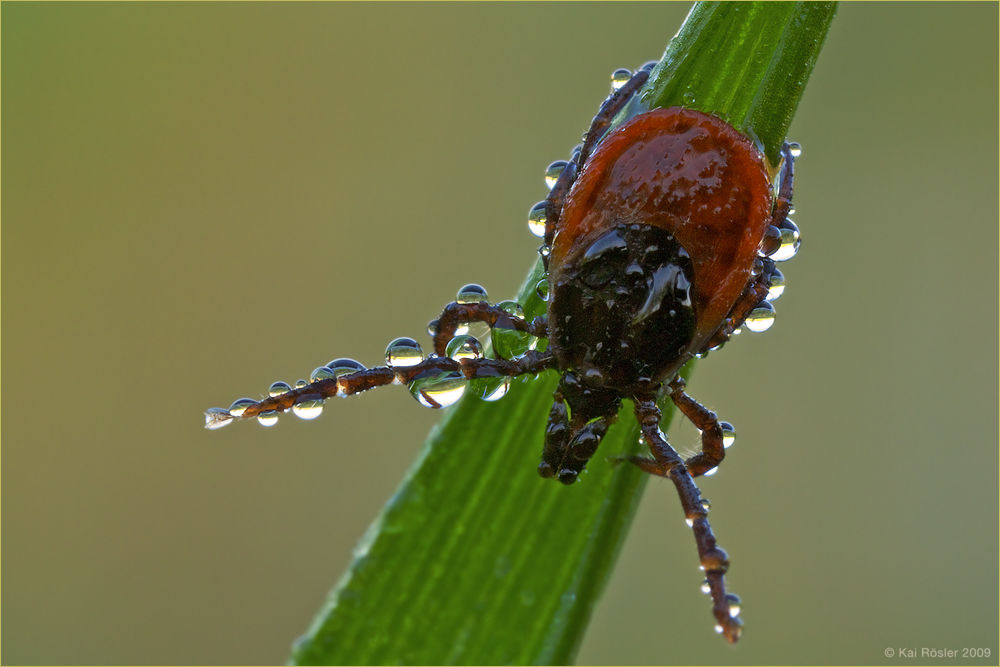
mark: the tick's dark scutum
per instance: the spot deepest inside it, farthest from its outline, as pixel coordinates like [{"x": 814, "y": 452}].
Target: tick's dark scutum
[{"x": 622, "y": 311}]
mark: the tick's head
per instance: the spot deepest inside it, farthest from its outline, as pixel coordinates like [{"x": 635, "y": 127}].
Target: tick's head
[{"x": 580, "y": 416}]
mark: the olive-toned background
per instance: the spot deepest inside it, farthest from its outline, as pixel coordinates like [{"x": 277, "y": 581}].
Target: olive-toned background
[{"x": 202, "y": 199}]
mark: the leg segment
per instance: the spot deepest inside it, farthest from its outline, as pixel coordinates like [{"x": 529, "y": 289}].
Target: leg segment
[
  {"x": 456, "y": 313},
  {"x": 714, "y": 560},
  {"x": 706, "y": 421},
  {"x": 757, "y": 291},
  {"x": 784, "y": 200},
  {"x": 363, "y": 380},
  {"x": 611, "y": 106},
  {"x": 754, "y": 296}
]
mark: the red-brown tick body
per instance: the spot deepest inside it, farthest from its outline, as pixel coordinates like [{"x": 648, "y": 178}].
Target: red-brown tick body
[
  {"x": 686, "y": 184},
  {"x": 661, "y": 238}
]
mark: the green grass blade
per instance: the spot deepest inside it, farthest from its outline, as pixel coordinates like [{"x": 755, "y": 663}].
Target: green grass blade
[
  {"x": 475, "y": 559},
  {"x": 746, "y": 62}
]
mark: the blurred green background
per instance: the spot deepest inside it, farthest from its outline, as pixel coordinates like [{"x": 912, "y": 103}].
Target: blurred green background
[{"x": 201, "y": 199}]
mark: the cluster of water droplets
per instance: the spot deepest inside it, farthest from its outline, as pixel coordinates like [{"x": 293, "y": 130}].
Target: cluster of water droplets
[
  {"x": 440, "y": 389},
  {"x": 432, "y": 388},
  {"x": 537, "y": 217},
  {"x": 782, "y": 244},
  {"x": 307, "y": 406}
]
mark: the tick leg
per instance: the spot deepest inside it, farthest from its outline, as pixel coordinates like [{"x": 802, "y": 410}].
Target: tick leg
[
  {"x": 714, "y": 560},
  {"x": 756, "y": 292},
  {"x": 784, "y": 200},
  {"x": 706, "y": 421},
  {"x": 598, "y": 126},
  {"x": 557, "y": 434},
  {"x": 456, "y": 313},
  {"x": 578, "y": 421},
  {"x": 370, "y": 378},
  {"x": 753, "y": 296},
  {"x": 577, "y": 452}
]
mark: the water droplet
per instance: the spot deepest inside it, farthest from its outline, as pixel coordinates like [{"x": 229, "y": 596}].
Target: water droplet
[
  {"x": 321, "y": 373},
  {"x": 735, "y": 604},
  {"x": 403, "y": 352},
  {"x": 553, "y": 172},
  {"x": 777, "y": 287},
  {"x": 344, "y": 366},
  {"x": 728, "y": 434},
  {"x": 239, "y": 406},
  {"x": 300, "y": 383},
  {"x": 269, "y": 418},
  {"x": 718, "y": 628},
  {"x": 308, "y": 409},
  {"x": 619, "y": 78},
  {"x": 542, "y": 289},
  {"x": 536, "y": 219},
  {"x": 689, "y": 522},
  {"x": 709, "y": 473},
  {"x": 794, "y": 148},
  {"x": 471, "y": 293},
  {"x": 544, "y": 250},
  {"x": 790, "y": 242},
  {"x": 688, "y": 98},
  {"x": 510, "y": 343},
  {"x": 706, "y": 588},
  {"x": 769, "y": 245},
  {"x": 512, "y": 308},
  {"x": 491, "y": 389},
  {"x": 706, "y": 504},
  {"x": 217, "y": 418},
  {"x": 278, "y": 388},
  {"x": 604, "y": 259},
  {"x": 760, "y": 318},
  {"x": 461, "y": 348},
  {"x": 438, "y": 389}
]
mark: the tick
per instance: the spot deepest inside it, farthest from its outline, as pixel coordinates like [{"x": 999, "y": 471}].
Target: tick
[{"x": 660, "y": 243}]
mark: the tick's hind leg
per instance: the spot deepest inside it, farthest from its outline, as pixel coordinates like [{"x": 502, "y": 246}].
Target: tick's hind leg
[
  {"x": 609, "y": 109},
  {"x": 714, "y": 561}
]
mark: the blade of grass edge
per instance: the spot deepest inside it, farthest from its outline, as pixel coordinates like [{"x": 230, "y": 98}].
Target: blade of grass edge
[{"x": 475, "y": 559}]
